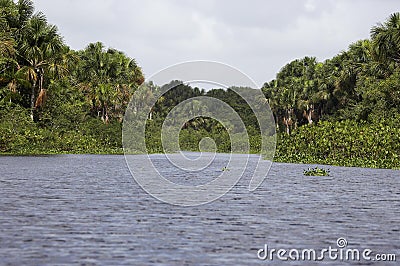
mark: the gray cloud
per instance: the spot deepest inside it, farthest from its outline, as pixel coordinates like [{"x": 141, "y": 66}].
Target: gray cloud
[{"x": 258, "y": 36}]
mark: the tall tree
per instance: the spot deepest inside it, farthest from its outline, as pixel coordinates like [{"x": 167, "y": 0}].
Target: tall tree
[
  {"x": 34, "y": 47},
  {"x": 40, "y": 50},
  {"x": 108, "y": 78},
  {"x": 386, "y": 40}
]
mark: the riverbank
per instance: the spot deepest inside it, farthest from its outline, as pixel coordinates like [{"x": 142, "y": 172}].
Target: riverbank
[{"x": 343, "y": 143}]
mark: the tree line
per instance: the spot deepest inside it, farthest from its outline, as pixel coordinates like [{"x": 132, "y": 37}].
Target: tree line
[
  {"x": 361, "y": 83},
  {"x": 34, "y": 59},
  {"x": 52, "y": 98}
]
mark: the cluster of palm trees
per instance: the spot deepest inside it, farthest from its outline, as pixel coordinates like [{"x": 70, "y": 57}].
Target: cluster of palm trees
[
  {"x": 386, "y": 40},
  {"x": 107, "y": 78},
  {"x": 305, "y": 90},
  {"x": 34, "y": 55},
  {"x": 32, "y": 51}
]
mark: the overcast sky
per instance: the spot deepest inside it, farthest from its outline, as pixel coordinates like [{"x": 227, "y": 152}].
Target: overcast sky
[{"x": 258, "y": 37}]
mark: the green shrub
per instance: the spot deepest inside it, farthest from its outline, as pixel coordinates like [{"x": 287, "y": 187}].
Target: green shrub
[{"x": 346, "y": 143}]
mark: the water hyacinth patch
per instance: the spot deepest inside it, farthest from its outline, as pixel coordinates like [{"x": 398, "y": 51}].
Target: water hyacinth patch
[{"x": 316, "y": 172}]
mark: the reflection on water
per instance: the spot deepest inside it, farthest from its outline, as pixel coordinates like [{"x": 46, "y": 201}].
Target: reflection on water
[{"x": 87, "y": 209}]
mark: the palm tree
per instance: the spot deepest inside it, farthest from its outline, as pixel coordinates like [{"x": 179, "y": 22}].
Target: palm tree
[
  {"x": 9, "y": 78},
  {"x": 7, "y": 43},
  {"x": 40, "y": 51},
  {"x": 386, "y": 40},
  {"x": 7, "y": 59},
  {"x": 108, "y": 79}
]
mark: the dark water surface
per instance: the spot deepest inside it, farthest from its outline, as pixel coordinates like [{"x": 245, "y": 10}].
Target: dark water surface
[{"x": 88, "y": 210}]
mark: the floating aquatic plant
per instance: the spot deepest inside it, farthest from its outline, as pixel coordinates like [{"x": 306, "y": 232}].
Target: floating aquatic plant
[{"x": 316, "y": 172}]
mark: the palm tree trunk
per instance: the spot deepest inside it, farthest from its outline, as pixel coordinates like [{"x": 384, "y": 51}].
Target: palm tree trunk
[
  {"x": 309, "y": 116},
  {"x": 103, "y": 118},
  {"x": 106, "y": 118},
  {"x": 104, "y": 113},
  {"x": 308, "y": 113},
  {"x": 286, "y": 123},
  {"x": 33, "y": 98}
]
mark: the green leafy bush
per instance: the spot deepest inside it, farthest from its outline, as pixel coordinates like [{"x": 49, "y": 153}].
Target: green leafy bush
[{"x": 346, "y": 143}]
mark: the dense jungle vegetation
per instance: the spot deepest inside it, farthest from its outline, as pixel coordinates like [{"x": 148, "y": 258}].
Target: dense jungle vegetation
[{"x": 343, "y": 111}]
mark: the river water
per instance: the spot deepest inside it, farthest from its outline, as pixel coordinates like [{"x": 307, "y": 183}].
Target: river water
[{"x": 88, "y": 210}]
